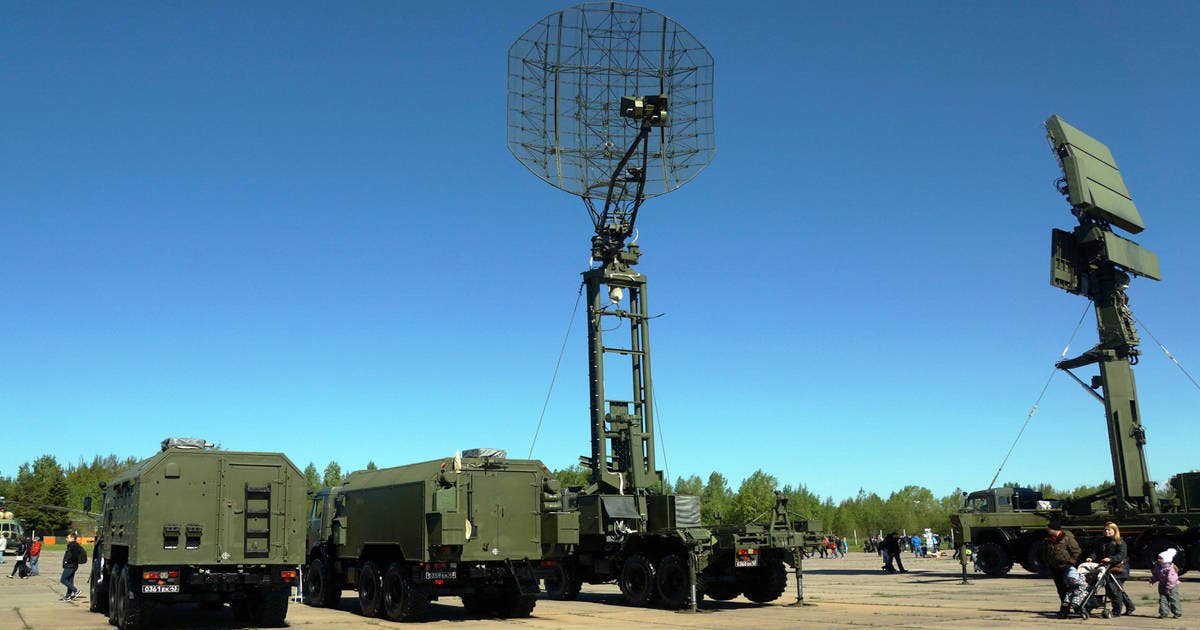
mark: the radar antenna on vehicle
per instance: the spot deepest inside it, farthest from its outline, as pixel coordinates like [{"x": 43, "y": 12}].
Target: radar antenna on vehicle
[{"x": 613, "y": 103}]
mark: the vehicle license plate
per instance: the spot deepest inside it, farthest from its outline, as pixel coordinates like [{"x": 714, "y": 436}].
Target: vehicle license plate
[{"x": 160, "y": 588}]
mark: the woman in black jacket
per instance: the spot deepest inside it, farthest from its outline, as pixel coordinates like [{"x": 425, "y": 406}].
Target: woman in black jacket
[{"x": 1113, "y": 551}]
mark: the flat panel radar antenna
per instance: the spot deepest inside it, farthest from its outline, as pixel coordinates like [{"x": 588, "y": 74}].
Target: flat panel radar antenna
[{"x": 613, "y": 103}]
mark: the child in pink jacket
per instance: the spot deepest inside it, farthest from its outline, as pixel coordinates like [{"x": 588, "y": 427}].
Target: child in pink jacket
[{"x": 1167, "y": 577}]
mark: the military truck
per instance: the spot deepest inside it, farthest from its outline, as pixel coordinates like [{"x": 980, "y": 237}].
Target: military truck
[
  {"x": 477, "y": 525},
  {"x": 652, "y": 544},
  {"x": 1006, "y": 525},
  {"x": 197, "y": 524}
]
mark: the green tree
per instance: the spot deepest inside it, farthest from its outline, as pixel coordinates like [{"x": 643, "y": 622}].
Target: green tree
[
  {"x": 576, "y": 476},
  {"x": 715, "y": 499},
  {"x": 371, "y": 465},
  {"x": 42, "y": 483},
  {"x": 312, "y": 477},
  {"x": 691, "y": 485},
  {"x": 333, "y": 474},
  {"x": 754, "y": 498}
]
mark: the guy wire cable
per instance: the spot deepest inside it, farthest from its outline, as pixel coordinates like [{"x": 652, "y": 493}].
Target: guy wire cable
[
  {"x": 662, "y": 441},
  {"x": 561, "y": 351},
  {"x": 1033, "y": 409},
  {"x": 1168, "y": 353}
]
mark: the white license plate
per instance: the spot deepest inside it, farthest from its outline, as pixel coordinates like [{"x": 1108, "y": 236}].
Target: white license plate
[
  {"x": 440, "y": 575},
  {"x": 746, "y": 562},
  {"x": 160, "y": 588}
]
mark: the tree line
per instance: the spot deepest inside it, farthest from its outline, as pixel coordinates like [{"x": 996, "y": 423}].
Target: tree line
[{"x": 45, "y": 482}]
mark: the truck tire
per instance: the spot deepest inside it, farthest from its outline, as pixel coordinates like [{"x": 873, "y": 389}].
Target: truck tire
[
  {"x": 370, "y": 590},
  {"x": 674, "y": 589},
  {"x": 515, "y": 605},
  {"x": 114, "y": 595},
  {"x": 564, "y": 584},
  {"x": 1033, "y": 562},
  {"x": 994, "y": 559},
  {"x": 114, "y": 590},
  {"x": 97, "y": 585},
  {"x": 243, "y": 607},
  {"x": 401, "y": 600},
  {"x": 639, "y": 580},
  {"x": 319, "y": 587},
  {"x": 1194, "y": 555},
  {"x": 766, "y": 582},
  {"x": 1148, "y": 553},
  {"x": 722, "y": 591},
  {"x": 480, "y": 604},
  {"x": 133, "y": 606},
  {"x": 271, "y": 608}
]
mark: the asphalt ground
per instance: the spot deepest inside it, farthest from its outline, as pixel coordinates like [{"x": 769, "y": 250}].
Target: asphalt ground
[{"x": 841, "y": 593}]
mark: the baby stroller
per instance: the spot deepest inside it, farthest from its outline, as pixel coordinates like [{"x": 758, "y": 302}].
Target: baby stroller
[{"x": 1088, "y": 592}]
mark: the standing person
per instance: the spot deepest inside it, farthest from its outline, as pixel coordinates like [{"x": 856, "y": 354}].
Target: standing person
[
  {"x": 74, "y": 556},
  {"x": 35, "y": 554},
  {"x": 3, "y": 546},
  {"x": 20, "y": 567},
  {"x": 1059, "y": 554},
  {"x": 915, "y": 542},
  {"x": 845, "y": 546},
  {"x": 1113, "y": 551},
  {"x": 891, "y": 553},
  {"x": 1166, "y": 576}
]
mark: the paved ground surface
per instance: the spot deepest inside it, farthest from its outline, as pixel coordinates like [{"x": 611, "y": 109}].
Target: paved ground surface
[{"x": 844, "y": 593}]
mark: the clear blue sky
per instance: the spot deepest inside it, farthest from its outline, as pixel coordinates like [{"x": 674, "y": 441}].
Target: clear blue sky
[{"x": 296, "y": 226}]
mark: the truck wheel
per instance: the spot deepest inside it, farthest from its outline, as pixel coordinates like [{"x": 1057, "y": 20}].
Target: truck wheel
[
  {"x": 271, "y": 608},
  {"x": 1194, "y": 555},
  {"x": 722, "y": 591},
  {"x": 479, "y": 604},
  {"x": 639, "y": 580},
  {"x": 319, "y": 587},
  {"x": 133, "y": 607},
  {"x": 514, "y": 605},
  {"x": 564, "y": 584},
  {"x": 766, "y": 582},
  {"x": 401, "y": 600},
  {"x": 370, "y": 590},
  {"x": 1033, "y": 563},
  {"x": 994, "y": 559},
  {"x": 97, "y": 587},
  {"x": 114, "y": 594},
  {"x": 1148, "y": 554},
  {"x": 673, "y": 587}
]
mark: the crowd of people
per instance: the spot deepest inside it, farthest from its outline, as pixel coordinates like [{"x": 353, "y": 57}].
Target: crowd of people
[{"x": 28, "y": 552}]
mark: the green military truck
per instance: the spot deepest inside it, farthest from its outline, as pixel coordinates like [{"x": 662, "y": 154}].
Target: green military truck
[
  {"x": 479, "y": 526},
  {"x": 196, "y": 524},
  {"x": 1006, "y": 526}
]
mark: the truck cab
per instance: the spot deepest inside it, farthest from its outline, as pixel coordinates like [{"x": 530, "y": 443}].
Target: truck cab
[{"x": 1001, "y": 500}]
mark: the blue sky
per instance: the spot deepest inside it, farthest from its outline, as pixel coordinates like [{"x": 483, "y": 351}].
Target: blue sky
[{"x": 297, "y": 227}]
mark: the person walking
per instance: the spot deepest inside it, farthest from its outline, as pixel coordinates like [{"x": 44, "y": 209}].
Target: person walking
[
  {"x": 1166, "y": 576},
  {"x": 21, "y": 566},
  {"x": 1059, "y": 553},
  {"x": 72, "y": 558},
  {"x": 1113, "y": 551},
  {"x": 891, "y": 553}
]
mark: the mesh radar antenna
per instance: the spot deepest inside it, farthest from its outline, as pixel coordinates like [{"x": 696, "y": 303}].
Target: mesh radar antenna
[
  {"x": 613, "y": 103},
  {"x": 1093, "y": 261}
]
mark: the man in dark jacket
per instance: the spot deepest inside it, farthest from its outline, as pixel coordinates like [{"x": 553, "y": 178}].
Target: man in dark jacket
[
  {"x": 74, "y": 556},
  {"x": 891, "y": 552},
  {"x": 1059, "y": 552}
]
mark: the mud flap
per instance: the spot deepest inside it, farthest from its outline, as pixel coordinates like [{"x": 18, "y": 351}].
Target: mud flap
[{"x": 522, "y": 572}]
